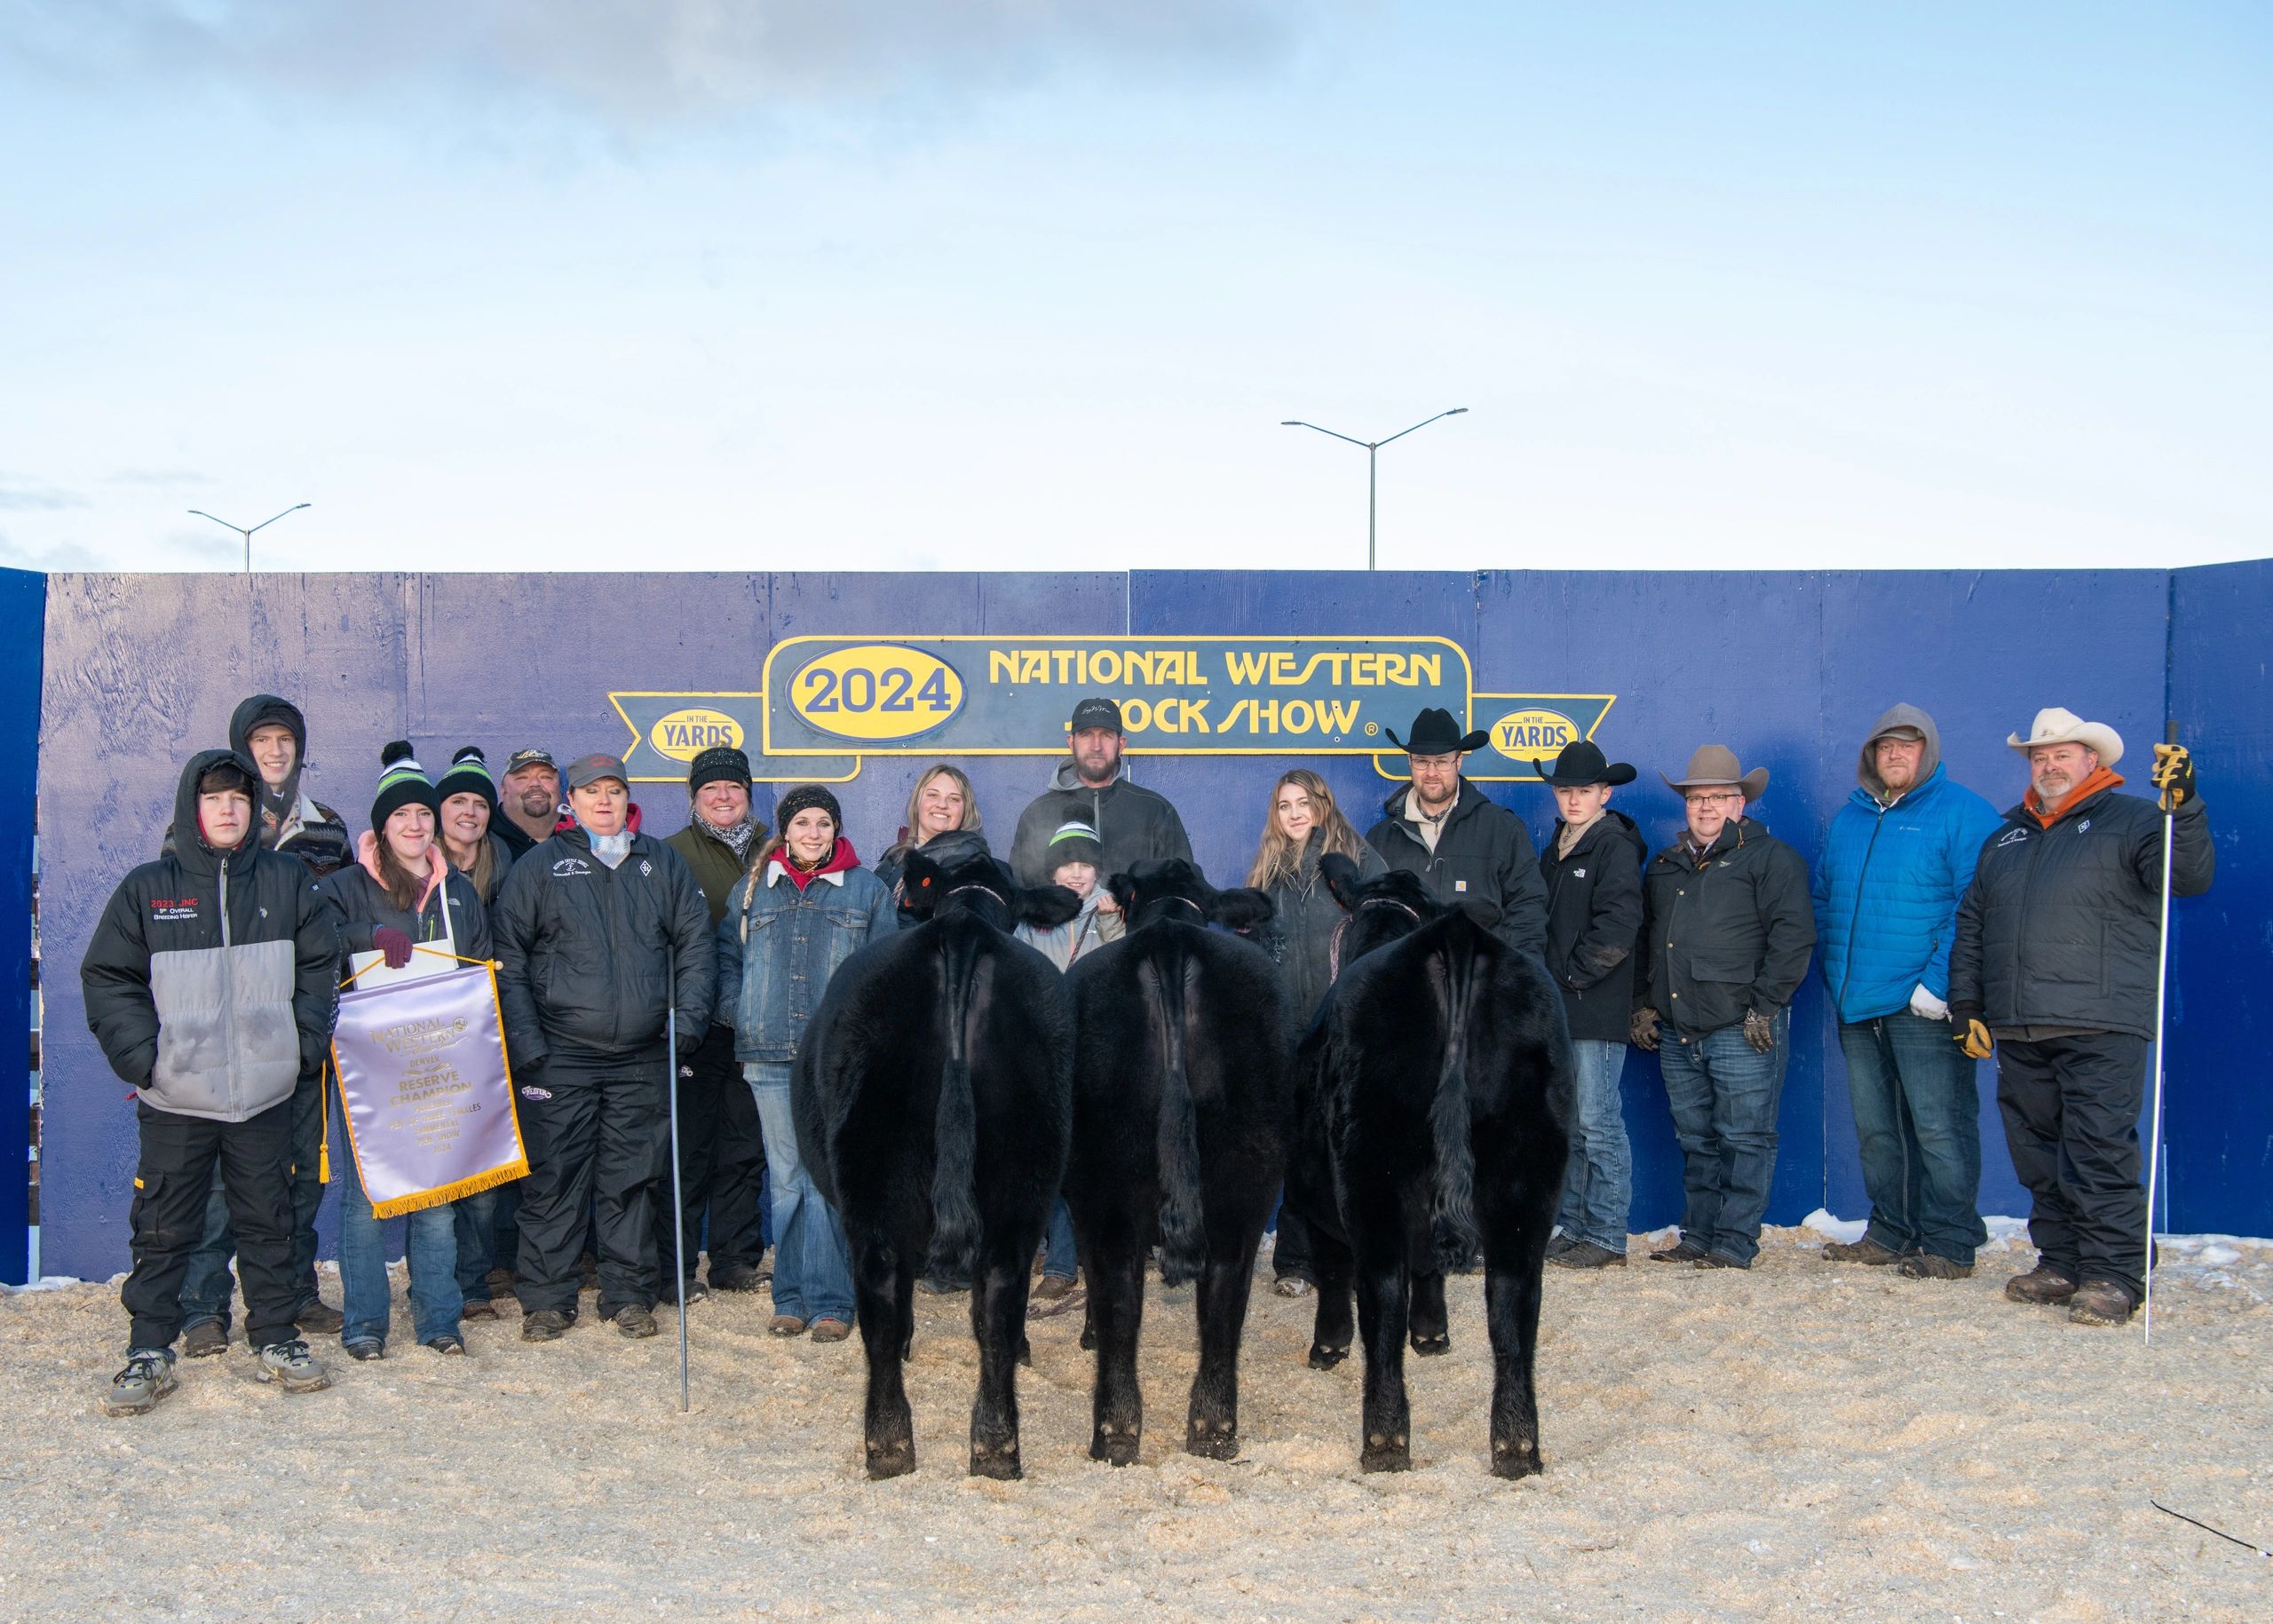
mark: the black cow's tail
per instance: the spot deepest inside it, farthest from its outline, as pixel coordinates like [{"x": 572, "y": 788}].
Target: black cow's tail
[
  {"x": 954, "y": 1135},
  {"x": 1183, "y": 1240},
  {"x": 1452, "y": 1214}
]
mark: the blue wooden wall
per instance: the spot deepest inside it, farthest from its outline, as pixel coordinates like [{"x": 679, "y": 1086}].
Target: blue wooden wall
[{"x": 23, "y": 597}]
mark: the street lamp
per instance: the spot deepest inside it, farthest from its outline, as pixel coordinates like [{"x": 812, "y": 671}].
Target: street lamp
[
  {"x": 1371, "y": 446},
  {"x": 240, "y": 530}
]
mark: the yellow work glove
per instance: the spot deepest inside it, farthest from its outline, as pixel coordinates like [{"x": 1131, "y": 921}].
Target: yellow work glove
[{"x": 2174, "y": 775}]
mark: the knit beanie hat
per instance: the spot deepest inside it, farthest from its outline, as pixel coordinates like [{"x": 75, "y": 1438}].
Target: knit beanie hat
[
  {"x": 402, "y": 782},
  {"x": 719, "y": 762},
  {"x": 806, "y": 796},
  {"x": 468, "y": 774},
  {"x": 1073, "y": 843}
]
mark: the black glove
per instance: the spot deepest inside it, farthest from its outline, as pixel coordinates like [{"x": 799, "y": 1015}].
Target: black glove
[
  {"x": 1642, "y": 1031},
  {"x": 1967, "y": 1032},
  {"x": 1760, "y": 1030},
  {"x": 2173, "y": 775}
]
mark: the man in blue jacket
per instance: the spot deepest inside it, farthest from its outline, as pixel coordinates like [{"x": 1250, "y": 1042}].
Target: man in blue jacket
[{"x": 1888, "y": 883}]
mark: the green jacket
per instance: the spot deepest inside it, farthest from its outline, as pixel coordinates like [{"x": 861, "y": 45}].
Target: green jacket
[{"x": 715, "y": 865}]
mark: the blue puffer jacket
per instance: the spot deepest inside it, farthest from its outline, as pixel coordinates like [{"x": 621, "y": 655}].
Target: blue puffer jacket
[
  {"x": 1886, "y": 886},
  {"x": 778, "y": 946}
]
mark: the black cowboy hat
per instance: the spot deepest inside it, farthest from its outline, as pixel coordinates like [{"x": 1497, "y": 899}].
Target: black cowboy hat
[
  {"x": 1435, "y": 733},
  {"x": 1582, "y": 762}
]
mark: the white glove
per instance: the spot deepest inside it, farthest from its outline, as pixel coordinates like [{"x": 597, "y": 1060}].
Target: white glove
[{"x": 1924, "y": 1005}]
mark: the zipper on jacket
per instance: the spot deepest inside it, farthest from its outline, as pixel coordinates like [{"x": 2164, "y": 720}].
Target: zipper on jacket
[
  {"x": 228, "y": 979},
  {"x": 1857, "y": 918}
]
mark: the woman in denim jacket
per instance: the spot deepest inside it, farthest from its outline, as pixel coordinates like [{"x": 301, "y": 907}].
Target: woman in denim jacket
[{"x": 805, "y": 907}]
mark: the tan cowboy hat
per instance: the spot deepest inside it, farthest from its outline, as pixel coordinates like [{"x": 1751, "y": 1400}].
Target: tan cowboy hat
[
  {"x": 1714, "y": 766},
  {"x": 2053, "y": 725}
]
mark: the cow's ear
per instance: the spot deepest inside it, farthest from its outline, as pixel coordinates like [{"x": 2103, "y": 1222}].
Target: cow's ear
[
  {"x": 1240, "y": 908},
  {"x": 1484, "y": 911},
  {"x": 919, "y": 886},
  {"x": 1048, "y": 906},
  {"x": 1341, "y": 877},
  {"x": 1123, "y": 888}
]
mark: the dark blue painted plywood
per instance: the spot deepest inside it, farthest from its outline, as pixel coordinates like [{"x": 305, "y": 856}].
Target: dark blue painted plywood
[{"x": 23, "y": 599}]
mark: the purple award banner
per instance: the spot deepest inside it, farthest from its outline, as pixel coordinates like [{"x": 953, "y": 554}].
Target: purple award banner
[{"x": 430, "y": 1103}]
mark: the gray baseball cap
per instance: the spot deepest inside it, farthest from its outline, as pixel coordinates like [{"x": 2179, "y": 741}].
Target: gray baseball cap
[{"x": 590, "y": 769}]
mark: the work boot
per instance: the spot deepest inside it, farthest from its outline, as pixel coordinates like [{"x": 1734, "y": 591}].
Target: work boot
[
  {"x": 477, "y": 1308},
  {"x": 2043, "y": 1284},
  {"x": 2101, "y": 1303},
  {"x": 545, "y": 1325},
  {"x": 146, "y": 1377},
  {"x": 636, "y": 1321},
  {"x": 292, "y": 1367},
  {"x": 1559, "y": 1243},
  {"x": 205, "y": 1339},
  {"x": 696, "y": 1292},
  {"x": 320, "y": 1317},
  {"x": 1721, "y": 1260},
  {"x": 1866, "y": 1251},
  {"x": 1684, "y": 1251},
  {"x": 588, "y": 1271},
  {"x": 1932, "y": 1266},
  {"x": 734, "y": 1276},
  {"x": 365, "y": 1350},
  {"x": 1586, "y": 1255},
  {"x": 1053, "y": 1286},
  {"x": 500, "y": 1280}
]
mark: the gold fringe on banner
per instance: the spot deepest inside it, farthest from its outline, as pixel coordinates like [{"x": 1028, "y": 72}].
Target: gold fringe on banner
[{"x": 447, "y": 1193}]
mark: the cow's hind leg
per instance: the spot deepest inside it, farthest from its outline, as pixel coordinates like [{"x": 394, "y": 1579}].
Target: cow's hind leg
[
  {"x": 1511, "y": 1309},
  {"x": 1382, "y": 1288},
  {"x": 1331, "y": 1330},
  {"x": 1431, "y": 1326},
  {"x": 998, "y": 1319},
  {"x": 1117, "y": 1408},
  {"x": 1212, "y": 1428},
  {"x": 881, "y": 1285}
]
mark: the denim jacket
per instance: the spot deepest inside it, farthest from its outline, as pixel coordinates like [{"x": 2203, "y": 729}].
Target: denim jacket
[{"x": 778, "y": 947}]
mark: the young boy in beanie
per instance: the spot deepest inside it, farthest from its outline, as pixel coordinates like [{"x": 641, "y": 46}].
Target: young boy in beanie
[
  {"x": 208, "y": 985},
  {"x": 722, "y": 1151}
]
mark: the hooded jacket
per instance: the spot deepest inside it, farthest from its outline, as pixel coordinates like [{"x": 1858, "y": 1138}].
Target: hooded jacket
[
  {"x": 1133, "y": 824},
  {"x": 1594, "y": 923},
  {"x": 303, "y": 827},
  {"x": 2061, "y": 926},
  {"x": 363, "y": 905},
  {"x": 1303, "y": 919},
  {"x": 1089, "y": 929},
  {"x": 586, "y": 952},
  {"x": 779, "y": 943},
  {"x": 1889, "y": 876},
  {"x": 1482, "y": 852},
  {"x": 209, "y": 977},
  {"x": 1726, "y": 933}
]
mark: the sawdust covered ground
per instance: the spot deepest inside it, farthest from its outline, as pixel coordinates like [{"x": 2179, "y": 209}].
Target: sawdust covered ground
[{"x": 1799, "y": 1442}]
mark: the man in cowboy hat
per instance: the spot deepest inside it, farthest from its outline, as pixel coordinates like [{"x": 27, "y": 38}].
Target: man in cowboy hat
[
  {"x": 1593, "y": 872},
  {"x": 1888, "y": 881},
  {"x": 1726, "y": 933},
  {"x": 1467, "y": 849},
  {"x": 2057, "y": 951}
]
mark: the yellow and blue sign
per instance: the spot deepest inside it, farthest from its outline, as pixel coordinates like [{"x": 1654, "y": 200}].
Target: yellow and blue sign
[{"x": 825, "y": 703}]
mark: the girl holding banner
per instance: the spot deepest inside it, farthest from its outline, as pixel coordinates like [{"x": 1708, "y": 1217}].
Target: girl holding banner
[{"x": 422, "y": 1111}]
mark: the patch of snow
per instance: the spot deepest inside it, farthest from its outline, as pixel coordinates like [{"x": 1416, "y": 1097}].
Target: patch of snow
[
  {"x": 1846, "y": 1230},
  {"x": 46, "y": 1282}
]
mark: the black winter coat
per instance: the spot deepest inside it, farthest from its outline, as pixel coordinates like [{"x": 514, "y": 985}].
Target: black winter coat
[
  {"x": 1133, "y": 824},
  {"x": 1483, "y": 851},
  {"x": 1300, "y": 934},
  {"x": 2060, "y": 926},
  {"x": 208, "y": 978},
  {"x": 362, "y": 907},
  {"x": 1594, "y": 923},
  {"x": 584, "y": 952},
  {"x": 1729, "y": 934}
]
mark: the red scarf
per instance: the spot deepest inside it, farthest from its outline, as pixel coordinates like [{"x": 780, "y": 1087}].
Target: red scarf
[{"x": 842, "y": 859}]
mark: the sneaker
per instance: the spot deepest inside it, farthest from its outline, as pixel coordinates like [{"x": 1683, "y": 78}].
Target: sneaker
[
  {"x": 366, "y": 1351},
  {"x": 146, "y": 1377},
  {"x": 545, "y": 1325},
  {"x": 734, "y": 1276},
  {"x": 2042, "y": 1284},
  {"x": 1586, "y": 1255},
  {"x": 1292, "y": 1286},
  {"x": 477, "y": 1308},
  {"x": 1929, "y": 1266},
  {"x": 1053, "y": 1286},
  {"x": 1721, "y": 1260},
  {"x": 447, "y": 1343},
  {"x": 292, "y": 1367},
  {"x": 1866, "y": 1251},
  {"x": 1682, "y": 1252},
  {"x": 320, "y": 1317},
  {"x": 205, "y": 1339},
  {"x": 636, "y": 1321},
  {"x": 2101, "y": 1303},
  {"x": 831, "y": 1330}
]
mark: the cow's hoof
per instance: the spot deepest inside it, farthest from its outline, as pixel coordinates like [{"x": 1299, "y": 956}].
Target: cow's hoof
[
  {"x": 1088, "y": 1339},
  {"x": 998, "y": 1461},
  {"x": 1514, "y": 1458},
  {"x": 891, "y": 1459},
  {"x": 1114, "y": 1444},
  {"x": 1212, "y": 1440},
  {"x": 1385, "y": 1452},
  {"x": 1429, "y": 1346},
  {"x": 1326, "y": 1358}
]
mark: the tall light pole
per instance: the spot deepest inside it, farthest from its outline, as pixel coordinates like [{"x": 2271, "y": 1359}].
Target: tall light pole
[
  {"x": 1371, "y": 448},
  {"x": 240, "y": 530}
]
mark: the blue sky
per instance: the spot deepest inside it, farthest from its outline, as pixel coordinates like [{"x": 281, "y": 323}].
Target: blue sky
[{"x": 1004, "y": 284}]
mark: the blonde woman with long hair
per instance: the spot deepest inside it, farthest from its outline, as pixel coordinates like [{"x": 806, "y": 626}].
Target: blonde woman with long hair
[
  {"x": 1303, "y": 825},
  {"x": 942, "y": 803}
]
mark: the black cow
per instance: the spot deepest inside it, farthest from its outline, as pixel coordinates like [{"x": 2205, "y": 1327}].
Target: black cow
[
  {"x": 931, "y": 1101},
  {"x": 1434, "y": 1100},
  {"x": 1180, "y": 1116}
]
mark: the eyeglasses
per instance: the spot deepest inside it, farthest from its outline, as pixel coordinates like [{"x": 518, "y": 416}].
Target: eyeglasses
[{"x": 1712, "y": 800}]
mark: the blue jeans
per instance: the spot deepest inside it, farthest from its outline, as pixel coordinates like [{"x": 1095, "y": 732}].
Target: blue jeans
[
  {"x": 1598, "y": 1181},
  {"x": 1059, "y": 1257},
  {"x": 813, "y": 1261},
  {"x": 1918, "y": 1120},
  {"x": 1724, "y": 1095},
  {"x": 432, "y": 1248}
]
